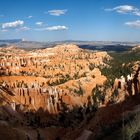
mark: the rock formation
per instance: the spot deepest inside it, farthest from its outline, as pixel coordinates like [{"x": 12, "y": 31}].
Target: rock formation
[{"x": 51, "y": 83}]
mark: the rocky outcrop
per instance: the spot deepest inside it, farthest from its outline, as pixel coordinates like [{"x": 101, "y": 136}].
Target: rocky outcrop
[
  {"x": 136, "y": 48},
  {"x": 37, "y": 80},
  {"x": 127, "y": 86},
  {"x": 86, "y": 135}
]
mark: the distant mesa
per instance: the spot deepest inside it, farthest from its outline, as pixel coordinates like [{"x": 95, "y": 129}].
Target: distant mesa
[
  {"x": 5, "y": 42},
  {"x": 67, "y": 47},
  {"x": 11, "y": 40}
]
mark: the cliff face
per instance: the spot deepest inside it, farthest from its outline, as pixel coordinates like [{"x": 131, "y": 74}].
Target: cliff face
[
  {"x": 51, "y": 77},
  {"x": 136, "y": 48},
  {"x": 60, "y": 86},
  {"x": 112, "y": 118},
  {"x": 131, "y": 83}
]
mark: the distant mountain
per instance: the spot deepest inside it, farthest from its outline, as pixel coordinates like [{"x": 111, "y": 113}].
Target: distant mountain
[
  {"x": 29, "y": 45},
  {"x": 97, "y": 42},
  {"x": 91, "y": 45},
  {"x": 7, "y": 41}
]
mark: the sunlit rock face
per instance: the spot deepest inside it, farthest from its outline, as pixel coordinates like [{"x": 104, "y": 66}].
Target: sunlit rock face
[
  {"x": 46, "y": 92},
  {"x": 49, "y": 78},
  {"x": 136, "y": 48},
  {"x": 64, "y": 75},
  {"x": 128, "y": 86}
]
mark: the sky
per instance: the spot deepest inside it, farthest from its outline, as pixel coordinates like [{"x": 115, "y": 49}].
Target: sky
[{"x": 57, "y": 20}]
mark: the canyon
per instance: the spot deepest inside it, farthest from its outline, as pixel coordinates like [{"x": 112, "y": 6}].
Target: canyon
[{"x": 64, "y": 92}]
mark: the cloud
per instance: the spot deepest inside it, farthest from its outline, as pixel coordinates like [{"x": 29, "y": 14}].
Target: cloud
[
  {"x": 55, "y": 28},
  {"x": 125, "y": 9},
  {"x": 39, "y": 23},
  {"x": 137, "y": 13},
  {"x": 23, "y": 28},
  {"x": 14, "y": 24},
  {"x": 52, "y": 28},
  {"x": 135, "y": 24},
  {"x": 30, "y": 17},
  {"x": 57, "y": 12}
]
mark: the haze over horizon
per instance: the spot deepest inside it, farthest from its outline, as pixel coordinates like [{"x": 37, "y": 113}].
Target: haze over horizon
[{"x": 92, "y": 20}]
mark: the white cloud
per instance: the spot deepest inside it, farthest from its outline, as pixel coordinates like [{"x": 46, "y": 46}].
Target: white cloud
[
  {"x": 52, "y": 28},
  {"x": 57, "y": 12},
  {"x": 55, "y": 28},
  {"x": 135, "y": 24},
  {"x": 125, "y": 9},
  {"x": 14, "y": 24},
  {"x": 30, "y": 17},
  {"x": 137, "y": 12},
  {"x": 23, "y": 28},
  {"x": 39, "y": 23}
]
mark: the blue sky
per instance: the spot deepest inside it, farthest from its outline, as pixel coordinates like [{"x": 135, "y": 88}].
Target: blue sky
[{"x": 53, "y": 20}]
